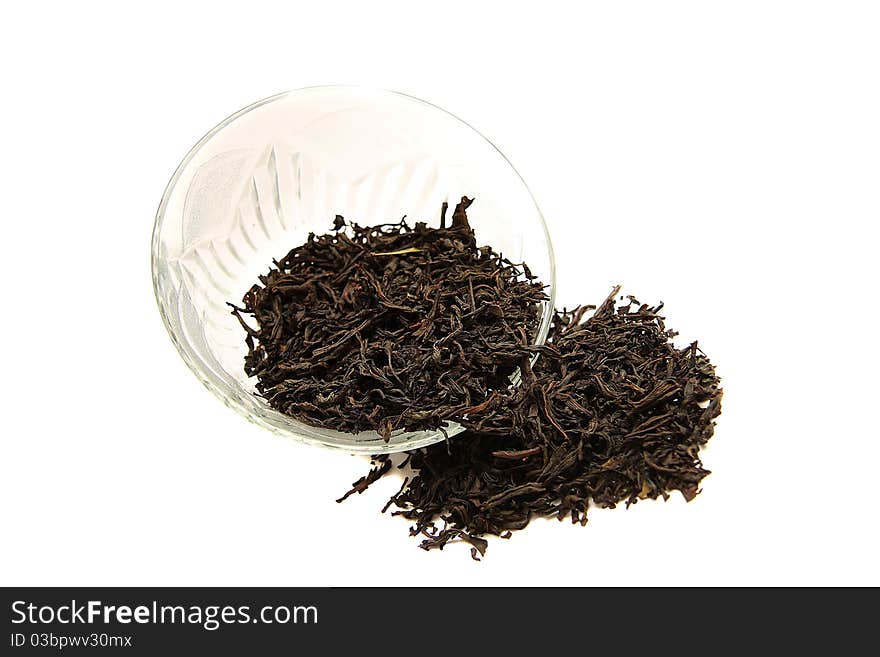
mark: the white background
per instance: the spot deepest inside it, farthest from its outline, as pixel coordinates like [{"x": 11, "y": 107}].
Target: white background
[{"x": 721, "y": 157}]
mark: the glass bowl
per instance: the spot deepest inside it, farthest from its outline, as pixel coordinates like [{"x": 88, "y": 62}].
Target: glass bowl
[{"x": 258, "y": 183}]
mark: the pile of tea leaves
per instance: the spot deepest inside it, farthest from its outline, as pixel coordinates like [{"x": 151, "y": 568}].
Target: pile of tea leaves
[
  {"x": 613, "y": 412},
  {"x": 389, "y": 327},
  {"x": 399, "y": 327}
]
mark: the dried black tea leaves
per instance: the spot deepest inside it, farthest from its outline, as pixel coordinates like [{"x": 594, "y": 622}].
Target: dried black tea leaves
[
  {"x": 408, "y": 327},
  {"x": 381, "y": 465},
  {"x": 389, "y": 327},
  {"x": 612, "y": 413}
]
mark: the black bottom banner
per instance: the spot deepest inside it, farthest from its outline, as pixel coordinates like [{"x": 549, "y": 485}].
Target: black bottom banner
[{"x": 151, "y": 621}]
